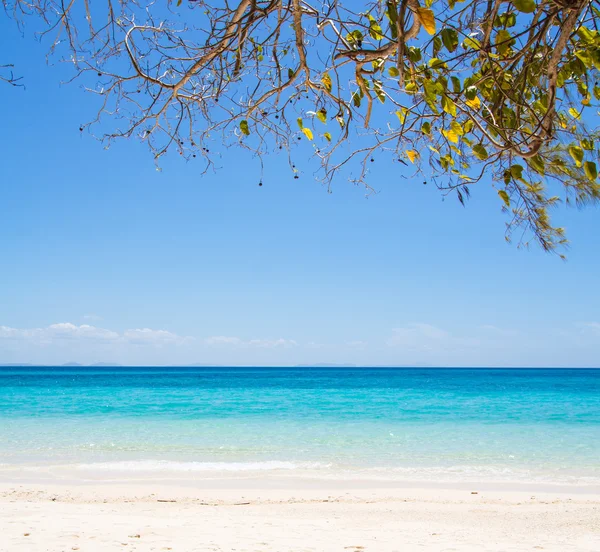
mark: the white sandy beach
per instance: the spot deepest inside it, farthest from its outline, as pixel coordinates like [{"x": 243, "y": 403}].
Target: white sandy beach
[{"x": 262, "y": 515}]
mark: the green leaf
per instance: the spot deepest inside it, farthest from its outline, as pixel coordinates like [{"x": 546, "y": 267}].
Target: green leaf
[
  {"x": 585, "y": 57},
  {"x": 244, "y": 127},
  {"x": 472, "y": 43},
  {"x": 431, "y": 95},
  {"x": 446, "y": 161},
  {"x": 411, "y": 88},
  {"x": 179, "y": 2},
  {"x": 448, "y": 105},
  {"x": 537, "y": 164},
  {"x": 392, "y": 15},
  {"x": 589, "y": 167},
  {"x": 524, "y": 6},
  {"x": 586, "y": 35},
  {"x": 504, "y": 41},
  {"x": 577, "y": 154},
  {"x": 356, "y": 99},
  {"x": 457, "y": 128},
  {"x": 300, "y": 123},
  {"x": 516, "y": 171},
  {"x": 511, "y": 20},
  {"x": 290, "y": 73},
  {"x": 308, "y": 133},
  {"x": 456, "y": 87},
  {"x": 450, "y": 39},
  {"x": 504, "y": 196},
  {"x": 327, "y": 136},
  {"x": 437, "y": 63},
  {"x": 355, "y": 37},
  {"x": 322, "y": 115},
  {"x": 414, "y": 54},
  {"x": 426, "y": 128},
  {"x": 587, "y": 144},
  {"x": 379, "y": 91},
  {"x": 574, "y": 113},
  {"x": 374, "y": 28},
  {"x": 480, "y": 152},
  {"x": 393, "y": 71},
  {"x": 326, "y": 80}
]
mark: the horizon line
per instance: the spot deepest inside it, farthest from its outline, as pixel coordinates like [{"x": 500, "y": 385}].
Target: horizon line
[{"x": 277, "y": 366}]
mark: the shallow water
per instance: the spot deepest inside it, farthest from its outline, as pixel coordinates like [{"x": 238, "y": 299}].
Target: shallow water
[{"x": 429, "y": 424}]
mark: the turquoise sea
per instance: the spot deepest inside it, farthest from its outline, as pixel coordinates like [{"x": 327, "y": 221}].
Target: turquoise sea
[{"x": 539, "y": 425}]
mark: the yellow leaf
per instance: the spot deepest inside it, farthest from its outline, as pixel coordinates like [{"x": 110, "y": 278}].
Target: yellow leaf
[
  {"x": 326, "y": 80},
  {"x": 427, "y": 19},
  {"x": 412, "y": 155},
  {"x": 448, "y": 106},
  {"x": 327, "y": 136},
  {"x": 308, "y": 133},
  {"x": 475, "y": 103},
  {"x": 451, "y": 135},
  {"x": 401, "y": 114}
]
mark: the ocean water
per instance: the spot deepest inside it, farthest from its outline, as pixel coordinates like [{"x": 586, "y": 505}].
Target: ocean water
[{"x": 414, "y": 424}]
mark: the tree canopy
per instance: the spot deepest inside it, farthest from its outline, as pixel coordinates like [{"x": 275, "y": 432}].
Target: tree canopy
[{"x": 502, "y": 92}]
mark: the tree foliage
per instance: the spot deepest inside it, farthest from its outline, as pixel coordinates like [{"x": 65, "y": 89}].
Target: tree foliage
[{"x": 461, "y": 91}]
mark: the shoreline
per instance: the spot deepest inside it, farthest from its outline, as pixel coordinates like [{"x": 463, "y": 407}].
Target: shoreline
[
  {"x": 240, "y": 476},
  {"x": 290, "y": 482},
  {"x": 191, "y": 489}
]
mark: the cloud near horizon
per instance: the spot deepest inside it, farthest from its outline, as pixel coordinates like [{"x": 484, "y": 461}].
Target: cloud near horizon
[
  {"x": 410, "y": 344},
  {"x": 260, "y": 343},
  {"x": 85, "y": 333},
  {"x": 66, "y": 331}
]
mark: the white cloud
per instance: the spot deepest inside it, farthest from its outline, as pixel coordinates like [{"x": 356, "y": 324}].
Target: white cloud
[
  {"x": 57, "y": 332},
  {"x": 66, "y": 331},
  {"x": 146, "y": 336},
  {"x": 16, "y": 334},
  {"x": 220, "y": 340}
]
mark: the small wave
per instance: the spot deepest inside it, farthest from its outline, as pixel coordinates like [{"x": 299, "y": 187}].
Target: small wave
[
  {"x": 478, "y": 473},
  {"x": 166, "y": 466}
]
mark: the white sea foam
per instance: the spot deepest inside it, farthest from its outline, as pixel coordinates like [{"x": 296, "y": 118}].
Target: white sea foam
[
  {"x": 321, "y": 470},
  {"x": 171, "y": 466},
  {"x": 478, "y": 473}
]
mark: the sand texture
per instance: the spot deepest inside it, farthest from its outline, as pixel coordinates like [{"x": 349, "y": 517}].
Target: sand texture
[{"x": 179, "y": 518}]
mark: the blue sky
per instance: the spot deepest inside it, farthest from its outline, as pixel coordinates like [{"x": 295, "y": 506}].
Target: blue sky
[{"x": 104, "y": 259}]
